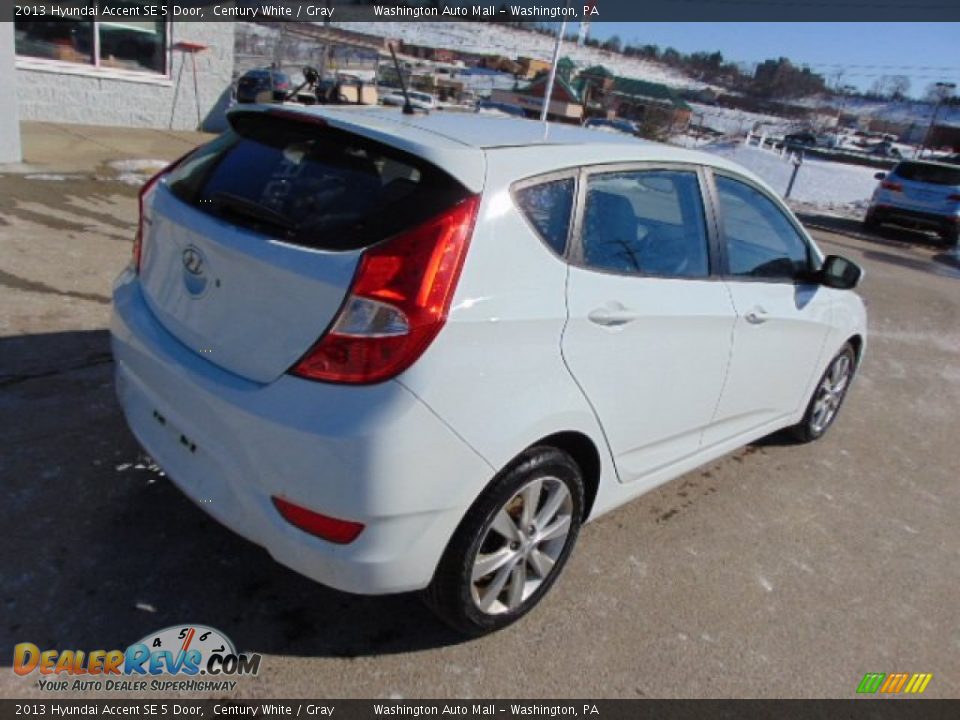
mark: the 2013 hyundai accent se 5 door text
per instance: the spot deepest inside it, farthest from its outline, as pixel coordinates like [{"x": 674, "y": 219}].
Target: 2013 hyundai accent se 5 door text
[{"x": 419, "y": 352}]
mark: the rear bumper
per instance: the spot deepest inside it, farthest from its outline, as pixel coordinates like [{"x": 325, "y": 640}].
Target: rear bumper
[
  {"x": 375, "y": 455},
  {"x": 907, "y": 217}
]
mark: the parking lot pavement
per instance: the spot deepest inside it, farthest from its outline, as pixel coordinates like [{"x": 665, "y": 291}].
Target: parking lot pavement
[{"x": 779, "y": 570}]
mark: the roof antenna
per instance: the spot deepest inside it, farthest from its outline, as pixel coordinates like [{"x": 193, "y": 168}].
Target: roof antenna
[
  {"x": 407, "y": 107},
  {"x": 548, "y": 93}
]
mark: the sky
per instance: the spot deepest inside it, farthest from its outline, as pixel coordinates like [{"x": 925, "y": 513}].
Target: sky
[{"x": 910, "y": 49}]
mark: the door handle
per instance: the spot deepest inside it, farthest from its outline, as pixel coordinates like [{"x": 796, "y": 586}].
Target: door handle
[
  {"x": 756, "y": 316},
  {"x": 612, "y": 315}
]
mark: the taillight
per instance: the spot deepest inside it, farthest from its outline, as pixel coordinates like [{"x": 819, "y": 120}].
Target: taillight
[
  {"x": 147, "y": 188},
  {"x": 323, "y": 526},
  {"x": 397, "y": 304},
  {"x": 891, "y": 186}
]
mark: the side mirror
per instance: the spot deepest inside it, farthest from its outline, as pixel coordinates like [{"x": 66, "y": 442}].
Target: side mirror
[
  {"x": 839, "y": 273},
  {"x": 880, "y": 175}
]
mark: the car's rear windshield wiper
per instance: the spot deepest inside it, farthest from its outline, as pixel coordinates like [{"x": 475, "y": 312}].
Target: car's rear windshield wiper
[{"x": 251, "y": 210}]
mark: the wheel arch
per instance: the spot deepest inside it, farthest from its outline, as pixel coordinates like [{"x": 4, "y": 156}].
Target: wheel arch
[
  {"x": 585, "y": 454},
  {"x": 856, "y": 341}
]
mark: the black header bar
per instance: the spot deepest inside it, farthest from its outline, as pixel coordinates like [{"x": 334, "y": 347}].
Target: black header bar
[{"x": 317, "y": 709}]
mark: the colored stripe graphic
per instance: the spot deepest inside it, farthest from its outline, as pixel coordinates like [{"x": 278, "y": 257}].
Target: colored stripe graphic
[
  {"x": 918, "y": 683},
  {"x": 871, "y": 682},
  {"x": 894, "y": 683}
]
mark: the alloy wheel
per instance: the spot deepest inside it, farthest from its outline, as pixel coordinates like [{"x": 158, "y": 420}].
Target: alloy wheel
[
  {"x": 521, "y": 545},
  {"x": 830, "y": 393}
]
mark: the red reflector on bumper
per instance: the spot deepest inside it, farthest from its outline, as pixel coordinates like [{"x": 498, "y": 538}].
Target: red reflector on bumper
[{"x": 327, "y": 528}]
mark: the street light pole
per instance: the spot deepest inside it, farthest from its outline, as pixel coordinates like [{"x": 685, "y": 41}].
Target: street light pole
[
  {"x": 945, "y": 89},
  {"x": 548, "y": 94}
]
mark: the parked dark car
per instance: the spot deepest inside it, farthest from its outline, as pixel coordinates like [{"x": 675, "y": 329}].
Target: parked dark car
[
  {"x": 800, "y": 138},
  {"x": 263, "y": 86}
]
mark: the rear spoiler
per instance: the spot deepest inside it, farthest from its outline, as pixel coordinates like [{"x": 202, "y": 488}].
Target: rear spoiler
[{"x": 465, "y": 163}]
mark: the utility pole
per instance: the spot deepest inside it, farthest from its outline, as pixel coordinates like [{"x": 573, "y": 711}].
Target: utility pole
[{"x": 944, "y": 90}]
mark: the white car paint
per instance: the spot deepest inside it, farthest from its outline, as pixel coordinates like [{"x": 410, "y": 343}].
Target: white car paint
[{"x": 518, "y": 360}]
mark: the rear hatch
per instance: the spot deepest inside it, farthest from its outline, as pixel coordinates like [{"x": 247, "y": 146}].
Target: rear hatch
[
  {"x": 250, "y": 244},
  {"x": 929, "y": 187}
]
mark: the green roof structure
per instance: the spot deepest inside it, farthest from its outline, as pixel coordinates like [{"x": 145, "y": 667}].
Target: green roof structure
[{"x": 643, "y": 89}]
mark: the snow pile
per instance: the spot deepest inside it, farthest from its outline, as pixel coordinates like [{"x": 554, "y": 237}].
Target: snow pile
[
  {"x": 136, "y": 172},
  {"x": 822, "y": 186}
]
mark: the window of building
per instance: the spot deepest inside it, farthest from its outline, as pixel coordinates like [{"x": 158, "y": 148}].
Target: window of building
[{"x": 127, "y": 44}]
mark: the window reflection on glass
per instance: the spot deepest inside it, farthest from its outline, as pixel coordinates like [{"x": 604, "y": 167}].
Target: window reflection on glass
[
  {"x": 133, "y": 44},
  {"x": 647, "y": 222},
  {"x": 69, "y": 39},
  {"x": 127, "y": 44}
]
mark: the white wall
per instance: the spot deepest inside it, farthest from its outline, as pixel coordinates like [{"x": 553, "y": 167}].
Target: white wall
[
  {"x": 9, "y": 116},
  {"x": 91, "y": 100}
]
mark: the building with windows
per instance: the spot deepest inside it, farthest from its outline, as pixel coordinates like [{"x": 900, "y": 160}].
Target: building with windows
[
  {"x": 133, "y": 72},
  {"x": 564, "y": 105},
  {"x": 654, "y": 106}
]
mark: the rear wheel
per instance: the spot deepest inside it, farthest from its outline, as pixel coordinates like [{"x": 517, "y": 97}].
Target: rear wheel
[
  {"x": 828, "y": 397},
  {"x": 511, "y": 546},
  {"x": 870, "y": 222}
]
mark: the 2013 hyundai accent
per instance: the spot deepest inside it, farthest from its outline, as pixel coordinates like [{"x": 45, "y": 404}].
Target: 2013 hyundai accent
[{"x": 418, "y": 353}]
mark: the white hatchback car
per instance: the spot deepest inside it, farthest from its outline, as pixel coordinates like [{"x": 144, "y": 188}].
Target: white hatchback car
[{"x": 419, "y": 352}]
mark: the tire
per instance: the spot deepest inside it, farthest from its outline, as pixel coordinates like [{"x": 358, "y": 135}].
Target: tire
[
  {"x": 870, "y": 222},
  {"x": 951, "y": 237},
  {"x": 827, "y": 398},
  {"x": 497, "y": 598}
]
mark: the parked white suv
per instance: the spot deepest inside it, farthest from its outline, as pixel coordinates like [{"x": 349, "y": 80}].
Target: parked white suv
[{"x": 419, "y": 352}]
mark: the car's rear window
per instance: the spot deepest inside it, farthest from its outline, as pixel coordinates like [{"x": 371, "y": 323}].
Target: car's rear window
[
  {"x": 927, "y": 173},
  {"x": 311, "y": 184}
]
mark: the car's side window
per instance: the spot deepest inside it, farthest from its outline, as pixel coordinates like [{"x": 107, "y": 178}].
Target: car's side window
[
  {"x": 760, "y": 241},
  {"x": 548, "y": 207},
  {"x": 645, "y": 222}
]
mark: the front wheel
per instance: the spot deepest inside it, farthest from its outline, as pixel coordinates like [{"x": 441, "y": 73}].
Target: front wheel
[
  {"x": 828, "y": 397},
  {"x": 512, "y": 545}
]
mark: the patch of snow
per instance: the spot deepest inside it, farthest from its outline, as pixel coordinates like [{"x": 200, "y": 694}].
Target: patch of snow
[
  {"x": 132, "y": 179},
  {"x": 138, "y": 166},
  {"x": 47, "y": 176},
  {"x": 824, "y": 186},
  {"x": 493, "y": 39}
]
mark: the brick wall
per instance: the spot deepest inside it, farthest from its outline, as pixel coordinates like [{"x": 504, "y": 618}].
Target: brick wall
[{"x": 90, "y": 100}]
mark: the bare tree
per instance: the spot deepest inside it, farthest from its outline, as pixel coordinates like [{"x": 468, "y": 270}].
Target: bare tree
[{"x": 899, "y": 87}]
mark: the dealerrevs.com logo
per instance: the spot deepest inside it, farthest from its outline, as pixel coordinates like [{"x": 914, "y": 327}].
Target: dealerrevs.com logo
[{"x": 184, "y": 650}]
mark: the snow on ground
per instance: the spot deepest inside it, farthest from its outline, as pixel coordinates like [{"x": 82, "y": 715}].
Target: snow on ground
[
  {"x": 826, "y": 187},
  {"x": 138, "y": 166},
  {"x": 136, "y": 172},
  {"x": 738, "y": 122},
  {"x": 501, "y": 40}
]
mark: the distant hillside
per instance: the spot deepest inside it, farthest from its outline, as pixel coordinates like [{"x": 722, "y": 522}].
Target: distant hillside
[{"x": 511, "y": 42}]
